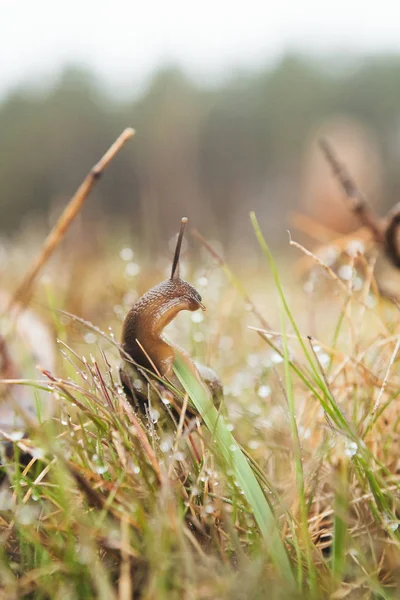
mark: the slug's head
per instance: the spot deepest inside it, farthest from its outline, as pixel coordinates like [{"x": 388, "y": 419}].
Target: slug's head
[
  {"x": 181, "y": 289},
  {"x": 184, "y": 294}
]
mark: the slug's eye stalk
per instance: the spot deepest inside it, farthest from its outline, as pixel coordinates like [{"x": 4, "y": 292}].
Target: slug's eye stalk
[
  {"x": 197, "y": 298},
  {"x": 175, "y": 263}
]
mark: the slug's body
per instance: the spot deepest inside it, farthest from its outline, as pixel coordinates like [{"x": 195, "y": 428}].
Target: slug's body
[{"x": 142, "y": 335}]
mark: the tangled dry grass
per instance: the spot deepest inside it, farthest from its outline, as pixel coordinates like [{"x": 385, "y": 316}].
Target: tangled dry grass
[{"x": 114, "y": 505}]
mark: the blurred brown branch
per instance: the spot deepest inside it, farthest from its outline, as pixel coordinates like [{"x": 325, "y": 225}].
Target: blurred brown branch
[{"x": 24, "y": 292}]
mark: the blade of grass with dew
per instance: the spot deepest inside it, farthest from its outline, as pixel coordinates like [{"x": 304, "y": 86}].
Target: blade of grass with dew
[
  {"x": 230, "y": 452},
  {"x": 340, "y": 420},
  {"x": 340, "y": 521},
  {"x": 363, "y": 458},
  {"x": 298, "y": 463}
]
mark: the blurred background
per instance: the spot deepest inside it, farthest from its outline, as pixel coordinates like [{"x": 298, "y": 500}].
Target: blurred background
[{"x": 228, "y": 101}]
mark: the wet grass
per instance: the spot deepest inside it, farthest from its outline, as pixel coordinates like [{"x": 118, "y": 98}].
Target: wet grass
[{"x": 290, "y": 491}]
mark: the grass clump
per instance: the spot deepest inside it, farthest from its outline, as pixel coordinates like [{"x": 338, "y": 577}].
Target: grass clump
[{"x": 290, "y": 492}]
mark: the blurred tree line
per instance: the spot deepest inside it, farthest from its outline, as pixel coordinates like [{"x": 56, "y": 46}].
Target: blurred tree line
[{"x": 211, "y": 153}]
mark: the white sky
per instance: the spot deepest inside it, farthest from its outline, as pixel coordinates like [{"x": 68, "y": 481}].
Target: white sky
[{"x": 126, "y": 40}]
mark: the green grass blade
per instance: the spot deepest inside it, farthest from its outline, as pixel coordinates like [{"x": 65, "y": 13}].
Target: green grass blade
[
  {"x": 298, "y": 460},
  {"x": 340, "y": 521},
  {"x": 338, "y": 417},
  {"x": 235, "y": 460}
]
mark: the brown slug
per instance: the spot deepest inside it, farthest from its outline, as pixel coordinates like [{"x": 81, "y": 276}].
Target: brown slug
[{"x": 143, "y": 340}]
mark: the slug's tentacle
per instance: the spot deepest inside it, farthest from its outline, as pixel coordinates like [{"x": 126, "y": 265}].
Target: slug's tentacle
[{"x": 175, "y": 262}]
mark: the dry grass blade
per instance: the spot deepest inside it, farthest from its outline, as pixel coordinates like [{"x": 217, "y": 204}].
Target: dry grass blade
[
  {"x": 385, "y": 381},
  {"x": 24, "y": 291},
  {"x": 144, "y": 442},
  {"x": 125, "y": 582},
  {"x": 321, "y": 263}
]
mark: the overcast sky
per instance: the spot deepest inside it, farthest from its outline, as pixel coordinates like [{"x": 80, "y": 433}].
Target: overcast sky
[{"x": 125, "y": 40}]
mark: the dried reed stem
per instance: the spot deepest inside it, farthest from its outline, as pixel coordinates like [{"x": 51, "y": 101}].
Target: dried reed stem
[
  {"x": 24, "y": 292},
  {"x": 359, "y": 204}
]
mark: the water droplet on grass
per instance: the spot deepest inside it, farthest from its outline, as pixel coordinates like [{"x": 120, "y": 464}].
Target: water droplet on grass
[
  {"x": 166, "y": 443},
  {"x": 126, "y": 254},
  {"x": 15, "y": 436},
  {"x": 345, "y": 272},
  {"x": 354, "y": 247},
  {"x": 276, "y": 358},
  {"x": 264, "y": 391},
  {"x": 350, "y": 448},
  {"x": 253, "y": 360},
  {"x": 132, "y": 269},
  {"x": 197, "y": 317},
  {"x": 100, "y": 469},
  {"x": 90, "y": 338},
  {"x": 329, "y": 255},
  {"x": 38, "y": 453},
  {"x": 254, "y": 444},
  {"x": 154, "y": 415}
]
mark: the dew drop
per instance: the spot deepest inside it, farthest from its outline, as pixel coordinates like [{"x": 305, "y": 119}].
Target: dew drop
[
  {"x": 126, "y": 254},
  {"x": 350, "y": 448},
  {"x": 100, "y": 469},
  {"x": 38, "y": 453},
  {"x": 15, "y": 436},
  {"x": 253, "y": 360},
  {"x": 345, "y": 272},
  {"x": 90, "y": 338},
  {"x": 154, "y": 415},
  {"x": 264, "y": 391},
  {"x": 254, "y": 444},
  {"x": 354, "y": 247},
  {"x": 197, "y": 317},
  {"x": 166, "y": 443},
  {"x": 276, "y": 358},
  {"x": 132, "y": 269}
]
